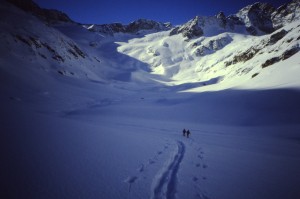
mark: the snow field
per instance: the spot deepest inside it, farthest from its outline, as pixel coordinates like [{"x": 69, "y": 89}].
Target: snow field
[{"x": 109, "y": 125}]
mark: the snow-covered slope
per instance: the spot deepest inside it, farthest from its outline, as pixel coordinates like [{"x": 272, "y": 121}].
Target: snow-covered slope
[
  {"x": 98, "y": 111},
  {"x": 256, "y": 19},
  {"x": 220, "y": 59}
]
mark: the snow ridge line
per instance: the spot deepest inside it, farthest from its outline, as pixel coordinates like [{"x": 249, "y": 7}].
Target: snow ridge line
[{"x": 165, "y": 184}]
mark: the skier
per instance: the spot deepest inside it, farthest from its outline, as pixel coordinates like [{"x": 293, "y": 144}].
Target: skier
[
  {"x": 183, "y": 132},
  {"x": 188, "y": 133}
]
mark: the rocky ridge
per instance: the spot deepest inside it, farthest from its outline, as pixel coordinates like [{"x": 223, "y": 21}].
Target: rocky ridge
[
  {"x": 256, "y": 19},
  {"x": 133, "y": 27},
  {"x": 205, "y": 36},
  {"x": 47, "y": 15}
]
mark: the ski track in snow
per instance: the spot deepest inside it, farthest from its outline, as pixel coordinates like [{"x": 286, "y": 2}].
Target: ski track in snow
[{"x": 165, "y": 183}]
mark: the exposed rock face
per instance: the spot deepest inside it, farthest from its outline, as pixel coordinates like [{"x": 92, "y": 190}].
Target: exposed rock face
[
  {"x": 244, "y": 56},
  {"x": 134, "y": 27},
  {"x": 213, "y": 45},
  {"x": 190, "y": 29},
  {"x": 39, "y": 46},
  {"x": 270, "y": 62},
  {"x": 290, "y": 52},
  {"x": 287, "y": 54},
  {"x": 51, "y": 15},
  {"x": 48, "y": 15},
  {"x": 283, "y": 36},
  {"x": 222, "y": 19},
  {"x": 144, "y": 24},
  {"x": 286, "y": 13},
  {"x": 232, "y": 21},
  {"x": 201, "y": 26},
  {"x": 109, "y": 29},
  {"x": 276, "y": 37},
  {"x": 256, "y": 19}
]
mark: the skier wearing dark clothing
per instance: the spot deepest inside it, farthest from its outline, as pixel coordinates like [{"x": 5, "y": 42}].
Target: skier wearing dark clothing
[
  {"x": 188, "y": 133},
  {"x": 183, "y": 132}
]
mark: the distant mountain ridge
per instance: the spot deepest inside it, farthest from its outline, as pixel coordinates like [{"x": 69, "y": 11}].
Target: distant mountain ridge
[
  {"x": 215, "y": 47},
  {"x": 133, "y": 27},
  {"x": 256, "y": 19}
]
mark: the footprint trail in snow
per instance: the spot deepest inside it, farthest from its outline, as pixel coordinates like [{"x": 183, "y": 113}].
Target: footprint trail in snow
[
  {"x": 130, "y": 180},
  {"x": 165, "y": 183}
]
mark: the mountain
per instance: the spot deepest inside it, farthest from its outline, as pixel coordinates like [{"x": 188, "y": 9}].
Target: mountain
[
  {"x": 98, "y": 111},
  {"x": 256, "y": 19},
  {"x": 286, "y": 14},
  {"x": 134, "y": 27},
  {"x": 48, "y": 15},
  {"x": 211, "y": 50}
]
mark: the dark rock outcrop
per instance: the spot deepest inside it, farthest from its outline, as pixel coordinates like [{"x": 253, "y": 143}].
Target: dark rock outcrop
[
  {"x": 270, "y": 62},
  {"x": 290, "y": 52},
  {"x": 190, "y": 29},
  {"x": 211, "y": 46},
  {"x": 222, "y": 19},
  {"x": 109, "y": 29},
  {"x": 244, "y": 56},
  {"x": 47, "y": 15},
  {"x": 286, "y": 13},
  {"x": 259, "y": 16},
  {"x": 256, "y": 19},
  {"x": 133, "y": 28},
  {"x": 144, "y": 24},
  {"x": 287, "y": 54},
  {"x": 276, "y": 37}
]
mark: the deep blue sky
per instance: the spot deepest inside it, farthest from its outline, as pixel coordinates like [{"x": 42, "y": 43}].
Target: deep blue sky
[{"x": 125, "y": 11}]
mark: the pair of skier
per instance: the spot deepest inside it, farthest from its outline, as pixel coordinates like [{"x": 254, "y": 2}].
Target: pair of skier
[{"x": 186, "y": 132}]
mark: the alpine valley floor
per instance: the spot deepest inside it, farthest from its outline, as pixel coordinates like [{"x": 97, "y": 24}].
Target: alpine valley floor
[{"x": 86, "y": 115}]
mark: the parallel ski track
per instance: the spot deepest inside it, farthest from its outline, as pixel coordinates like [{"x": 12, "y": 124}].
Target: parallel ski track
[{"x": 165, "y": 186}]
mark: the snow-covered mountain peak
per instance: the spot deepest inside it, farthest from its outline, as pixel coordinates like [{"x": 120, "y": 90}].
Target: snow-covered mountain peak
[
  {"x": 146, "y": 24},
  {"x": 190, "y": 29},
  {"x": 214, "y": 59},
  {"x": 210, "y": 26},
  {"x": 256, "y": 19},
  {"x": 140, "y": 26},
  {"x": 222, "y": 18},
  {"x": 286, "y": 14},
  {"x": 217, "y": 47}
]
